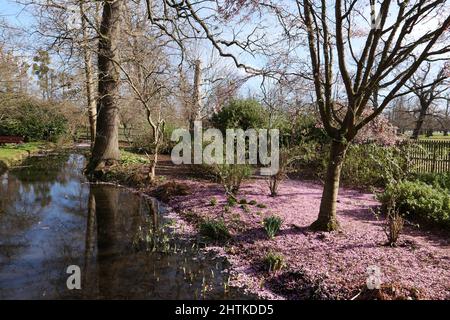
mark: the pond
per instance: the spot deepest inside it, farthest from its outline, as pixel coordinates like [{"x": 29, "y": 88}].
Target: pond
[{"x": 51, "y": 217}]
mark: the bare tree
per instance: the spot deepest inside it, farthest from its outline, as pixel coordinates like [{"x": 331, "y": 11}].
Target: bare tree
[
  {"x": 427, "y": 91},
  {"x": 106, "y": 146},
  {"x": 148, "y": 72},
  {"x": 388, "y": 58},
  {"x": 89, "y": 74}
]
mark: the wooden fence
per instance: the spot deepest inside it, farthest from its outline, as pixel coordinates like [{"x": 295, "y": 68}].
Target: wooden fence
[
  {"x": 125, "y": 135},
  {"x": 429, "y": 156}
]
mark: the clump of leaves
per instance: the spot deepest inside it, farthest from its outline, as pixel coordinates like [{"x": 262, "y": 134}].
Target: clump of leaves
[
  {"x": 274, "y": 261},
  {"x": 226, "y": 209},
  {"x": 128, "y": 158},
  {"x": 243, "y": 201},
  {"x": 252, "y": 202},
  {"x": 213, "y": 201},
  {"x": 272, "y": 225},
  {"x": 215, "y": 230},
  {"x": 231, "y": 201},
  {"x": 261, "y": 205}
]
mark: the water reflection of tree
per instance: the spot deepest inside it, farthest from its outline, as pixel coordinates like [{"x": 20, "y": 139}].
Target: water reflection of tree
[
  {"x": 115, "y": 220},
  {"x": 37, "y": 175},
  {"x": 136, "y": 254}
]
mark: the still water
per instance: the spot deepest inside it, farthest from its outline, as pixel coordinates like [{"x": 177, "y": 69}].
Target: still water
[{"x": 51, "y": 217}]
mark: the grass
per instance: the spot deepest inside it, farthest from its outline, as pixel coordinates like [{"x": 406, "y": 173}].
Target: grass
[
  {"x": 274, "y": 261},
  {"x": 11, "y": 153},
  {"x": 127, "y": 158},
  {"x": 215, "y": 230}
]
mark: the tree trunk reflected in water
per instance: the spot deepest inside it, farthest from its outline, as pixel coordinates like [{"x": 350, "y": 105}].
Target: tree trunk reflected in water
[
  {"x": 51, "y": 218},
  {"x": 106, "y": 204}
]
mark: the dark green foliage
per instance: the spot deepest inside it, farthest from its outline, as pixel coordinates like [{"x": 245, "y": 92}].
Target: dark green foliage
[
  {"x": 300, "y": 129},
  {"x": 243, "y": 114},
  {"x": 419, "y": 201},
  {"x": 231, "y": 201},
  {"x": 440, "y": 180},
  {"x": 215, "y": 230},
  {"x": 34, "y": 121}
]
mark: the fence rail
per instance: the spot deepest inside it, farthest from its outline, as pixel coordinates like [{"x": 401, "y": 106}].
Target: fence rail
[
  {"x": 429, "y": 156},
  {"x": 125, "y": 135}
]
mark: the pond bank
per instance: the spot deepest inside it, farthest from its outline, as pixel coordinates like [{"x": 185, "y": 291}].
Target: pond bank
[
  {"x": 317, "y": 265},
  {"x": 12, "y": 154},
  {"x": 127, "y": 246}
]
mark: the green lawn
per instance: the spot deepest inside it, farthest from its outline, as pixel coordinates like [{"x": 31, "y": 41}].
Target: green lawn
[
  {"x": 11, "y": 153},
  {"x": 435, "y": 137}
]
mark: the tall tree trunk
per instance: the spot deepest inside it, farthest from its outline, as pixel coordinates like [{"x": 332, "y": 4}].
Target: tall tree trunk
[
  {"x": 106, "y": 146},
  {"x": 89, "y": 75},
  {"x": 327, "y": 220},
  {"x": 196, "y": 97},
  {"x": 420, "y": 121},
  {"x": 446, "y": 120}
]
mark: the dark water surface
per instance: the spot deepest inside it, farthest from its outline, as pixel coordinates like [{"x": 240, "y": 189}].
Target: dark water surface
[{"x": 51, "y": 217}]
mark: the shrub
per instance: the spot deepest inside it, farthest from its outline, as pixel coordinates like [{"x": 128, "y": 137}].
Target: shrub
[
  {"x": 215, "y": 230},
  {"x": 243, "y": 114},
  {"x": 439, "y": 180},
  {"x": 252, "y": 202},
  {"x": 394, "y": 226},
  {"x": 272, "y": 225},
  {"x": 274, "y": 261},
  {"x": 232, "y": 175},
  {"x": 418, "y": 200},
  {"x": 373, "y": 165},
  {"x": 34, "y": 121},
  {"x": 394, "y": 222},
  {"x": 143, "y": 142},
  {"x": 275, "y": 180},
  {"x": 261, "y": 205},
  {"x": 243, "y": 201}
]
